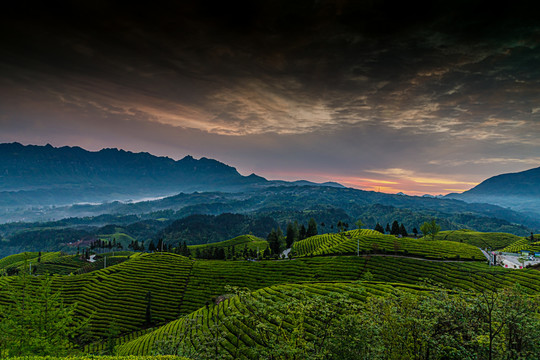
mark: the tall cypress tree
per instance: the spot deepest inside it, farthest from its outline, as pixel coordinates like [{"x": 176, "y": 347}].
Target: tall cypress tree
[
  {"x": 312, "y": 228},
  {"x": 290, "y": 238},
  {"x": 403, "y": 231},
  {"x": 395, "y": 228},
  {"x": 302, "y": 233}
]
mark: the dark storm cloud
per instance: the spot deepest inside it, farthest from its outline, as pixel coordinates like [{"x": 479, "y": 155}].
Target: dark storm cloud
[{"x": 443, "y": 88}]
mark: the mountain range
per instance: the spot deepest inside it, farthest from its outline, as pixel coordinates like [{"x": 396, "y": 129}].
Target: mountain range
[
  {"x": 43, "y": 190},
  {"x": 41, "y": 183},
  {"x": 519, "y": 191},
  {"x": 46, "y": 175}
]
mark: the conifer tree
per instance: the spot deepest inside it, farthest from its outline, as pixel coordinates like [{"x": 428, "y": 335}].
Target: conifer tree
[
  {"x": 395, "y": 228},
  {"x": 290, "y": 238},
  {"x": 403, "y": 231},
  {"x": 312, "y": 228},
  {"x": 302, "y": 233}
]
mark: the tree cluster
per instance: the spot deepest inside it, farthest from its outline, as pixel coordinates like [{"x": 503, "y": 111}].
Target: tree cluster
[
  {"x": 396, "y": 229},
  {"x": 104, "y": 244},
  {"x": 227, "y": 253}
]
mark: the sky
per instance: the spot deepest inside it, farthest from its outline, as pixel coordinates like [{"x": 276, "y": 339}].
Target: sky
[{"x": 390, "y": 96}]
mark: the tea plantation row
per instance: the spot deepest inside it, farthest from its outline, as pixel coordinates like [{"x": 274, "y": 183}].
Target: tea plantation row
[{"x": 374, "y": 242}]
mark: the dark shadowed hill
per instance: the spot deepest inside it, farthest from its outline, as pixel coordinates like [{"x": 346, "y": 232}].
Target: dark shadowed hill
[{"x": 519, "y": 191}]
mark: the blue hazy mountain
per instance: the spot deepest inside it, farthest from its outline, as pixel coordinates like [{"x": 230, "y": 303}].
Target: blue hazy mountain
[
  {"x": 46, "y": 175},
  {"x": 519, "y": 191}
]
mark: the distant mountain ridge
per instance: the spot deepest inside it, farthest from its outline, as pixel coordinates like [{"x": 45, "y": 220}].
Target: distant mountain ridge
[
  {"x": 46, "y": 175},
  {"x": 519, "y": 191}
]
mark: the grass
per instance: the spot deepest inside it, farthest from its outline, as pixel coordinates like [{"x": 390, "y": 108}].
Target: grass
[
  {"x": 494, "y": 240},
  {"x": 370, "y": 241}
]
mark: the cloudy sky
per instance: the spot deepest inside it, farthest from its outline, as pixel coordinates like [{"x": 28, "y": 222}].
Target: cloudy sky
[{"x": 380, "y": 95}]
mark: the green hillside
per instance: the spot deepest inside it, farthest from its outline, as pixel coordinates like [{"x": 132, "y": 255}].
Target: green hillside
[
  {"x": 239, "y": 242},
  {"x": 340, "y": 319},
  {"x": 240, "y": 330},
  {"x": 60, "y": 263},
  {"x": 120, "y": 237},
  {"x": 370, "y": 241},
  {"x": 523, "y": 244},
  {"x": 117, "y": 296},
  {"x": 493, "y": 240}
]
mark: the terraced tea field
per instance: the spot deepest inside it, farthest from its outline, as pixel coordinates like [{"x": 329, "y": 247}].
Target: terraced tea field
[
  {"x": 117, "y": 296},
  {"x": 522, "y": 244},
  {"x": 238, "y": 328},
  {"x": 371, "y": 241},
  {"x": 494, "y": 241},
  {"x": 60, "y": 263}
]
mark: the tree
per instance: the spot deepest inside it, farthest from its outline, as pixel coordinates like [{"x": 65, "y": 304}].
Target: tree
[
  {"x": 302, "y": 233},
  {"x": 359, "y": 224},
  {"x": 340, "y": 226},
  {"x": 379, "y": 228},
  {"x": 291, "y": 235},
  {"x": 403, "y": 231},
  {"x": 35, "y": 321},
  {"x": 430, "y": 229},
  {"x": 312, "y": 228},
  {"x": 387, "y": 229},
  {"x": 395, "y": 228},
  {"x": 274, "y": 240},
  {"x": 415, "y": 232}
]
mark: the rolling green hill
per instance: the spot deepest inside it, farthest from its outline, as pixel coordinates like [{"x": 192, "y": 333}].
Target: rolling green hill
[
  {"x": 118, "y": 295},
  {"x": 371, "y": 241},
  {"x": 239, "y": 242},
  {"x": 238, "y": 328},
  {"x": 493, "y": 240}
]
